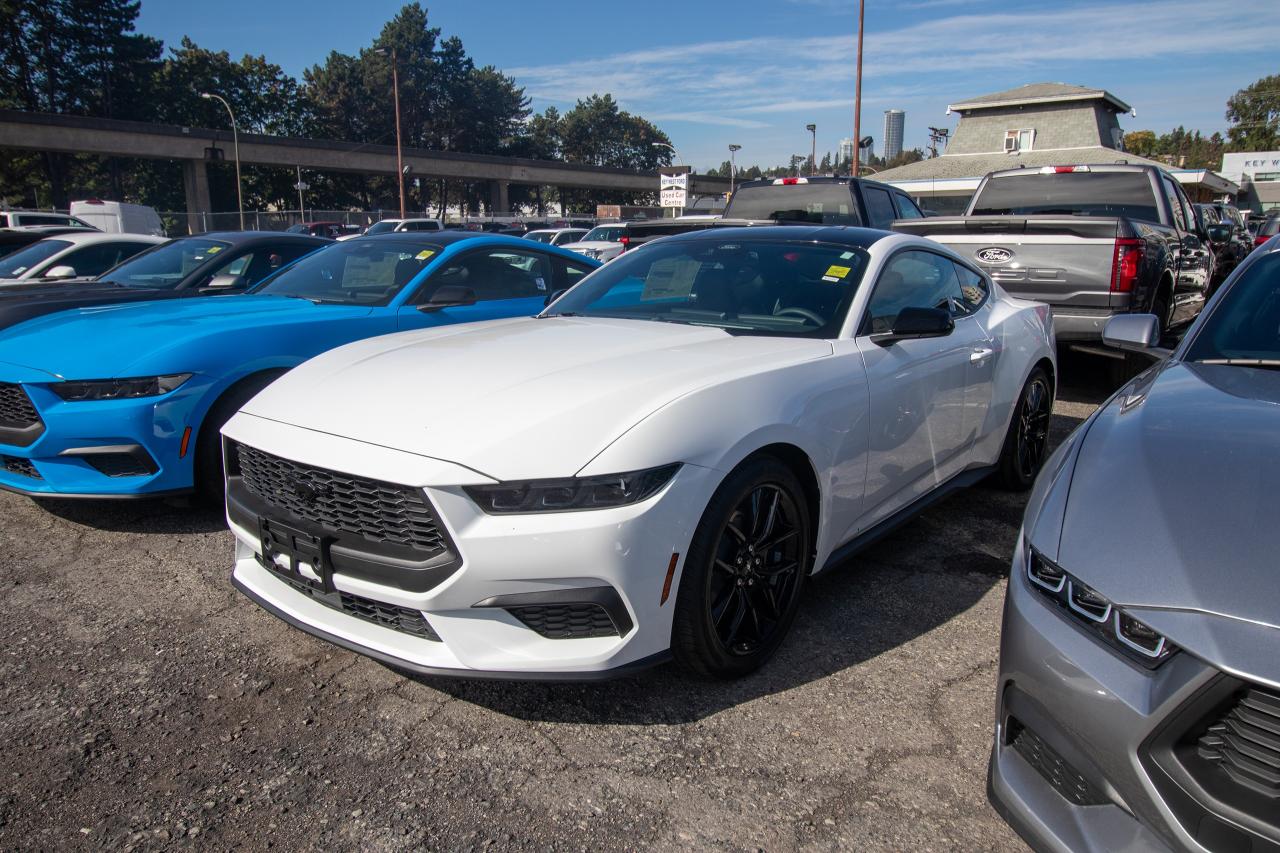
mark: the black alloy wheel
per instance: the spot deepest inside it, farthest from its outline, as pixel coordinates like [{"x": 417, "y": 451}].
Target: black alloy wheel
[
  {"x": 742, "y": 580},
  {"x": 1028, "y": 437}
]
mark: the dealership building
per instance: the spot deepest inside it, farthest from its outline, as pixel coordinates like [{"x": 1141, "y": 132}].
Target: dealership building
[
  {"x": 1039, "y": 124},
  {"x": 1258, "y": 174}
]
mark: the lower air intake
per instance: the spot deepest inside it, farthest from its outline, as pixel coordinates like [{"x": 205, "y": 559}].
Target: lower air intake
[{"x": 566, "y": 621}]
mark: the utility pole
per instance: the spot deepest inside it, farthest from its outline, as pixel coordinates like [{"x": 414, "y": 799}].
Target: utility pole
[
  {"x": 813, "y": 148},
  {"x": 302, "y": 215},
  {"x": 235, "y": 136},
  {"x": 937, "y": 136},
  {"x": 395, "y": 89},
  {"x": 857, "y": 97}
]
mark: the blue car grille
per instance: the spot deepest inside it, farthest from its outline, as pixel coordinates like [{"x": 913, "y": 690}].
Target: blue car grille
[
  {"x": 16, "y": 409},
  {"x": 378, "y": 511}
]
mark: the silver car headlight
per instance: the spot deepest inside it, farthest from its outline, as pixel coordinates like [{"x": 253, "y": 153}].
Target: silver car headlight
[
  {"x": 118, "y": 389},
  {"x": 572, "y": 493},
  {"x": 1090, "y": 609}
]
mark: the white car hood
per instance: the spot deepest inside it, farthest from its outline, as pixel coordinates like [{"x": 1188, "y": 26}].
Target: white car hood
[
  {"x": 515, "y": 399},
  {"x": 592, "y": 244}
]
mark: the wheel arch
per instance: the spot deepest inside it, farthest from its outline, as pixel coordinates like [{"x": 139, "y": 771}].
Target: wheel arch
[{"x": 800, "y": 464}]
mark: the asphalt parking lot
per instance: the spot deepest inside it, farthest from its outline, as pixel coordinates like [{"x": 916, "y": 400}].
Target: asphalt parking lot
[{"x": 147, "y": 704}]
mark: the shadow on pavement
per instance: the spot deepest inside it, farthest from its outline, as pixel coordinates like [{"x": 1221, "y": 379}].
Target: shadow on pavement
[{"x": 137, "y": 516}]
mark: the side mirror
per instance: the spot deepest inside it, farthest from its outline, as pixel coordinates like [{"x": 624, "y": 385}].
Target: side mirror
[
  {"x": 917, "y": 323},
  {"x": 1132, "y": 332},
  {"x": 1219, "y": 232},
  {"x": 225, "y": 283},
  {"x": 449, "y": 296},
  {"x": 60, "y": 272},
  {"x": 554, "y": 295}
]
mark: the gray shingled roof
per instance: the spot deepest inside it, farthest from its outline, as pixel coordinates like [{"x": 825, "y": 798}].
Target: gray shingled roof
[
  {"x": 1038, "y": 93},
  {"x": 977, "y": 165}
]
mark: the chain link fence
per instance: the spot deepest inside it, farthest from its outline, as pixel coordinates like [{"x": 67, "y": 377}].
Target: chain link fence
[{"x": 177, "y": 223}]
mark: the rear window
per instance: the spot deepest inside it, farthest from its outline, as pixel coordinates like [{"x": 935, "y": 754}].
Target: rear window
[
  {"x": 821, "y": 203},
  {"x": 1127, "y": 194}
]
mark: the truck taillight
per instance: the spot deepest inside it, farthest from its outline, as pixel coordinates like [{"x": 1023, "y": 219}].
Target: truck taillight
[
  {"x": 626, "y": 243},
  {"x": 787, "y": 182},
  {"x": 1124, "y": 264},
  {"x": 1259, "y": 240}
]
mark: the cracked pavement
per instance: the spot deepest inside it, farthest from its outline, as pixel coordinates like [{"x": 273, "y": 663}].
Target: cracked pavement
[{"x": 145, "y": 704}]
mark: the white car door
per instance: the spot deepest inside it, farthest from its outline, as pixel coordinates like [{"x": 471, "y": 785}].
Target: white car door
[
  {"x": 917, "y": 387},
  {"x": 975, "y": 302}
]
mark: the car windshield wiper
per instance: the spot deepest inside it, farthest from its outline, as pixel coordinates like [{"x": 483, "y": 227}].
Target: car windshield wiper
[{"x": 1266, "y": 363}]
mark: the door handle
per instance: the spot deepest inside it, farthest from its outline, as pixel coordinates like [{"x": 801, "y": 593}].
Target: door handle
[{"x": 980, "y": 354}]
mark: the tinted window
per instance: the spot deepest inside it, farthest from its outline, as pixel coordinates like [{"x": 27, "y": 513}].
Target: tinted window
[
  {"x": 1070, "y": 193},
  {"x": 568, "y": 273},
  {"x": 97, "y": 259},
  {"x": 43, "y": 219},
  {"x": 907, "y": 208},
  {"x": 1246, "y": 323},
  {"x": 254, "y": 266},
  {"x": 913, "y": 280},
  {"x": 355, "y": 272},
  {"x": 168, "y": 264},
  {"x": 497, "y": 273},
  {"x": 607, "y": 233},
  {"x": 383, "y": 227},
  {"x": 37, "y": 253},
  {"x": 879, "y": 208},
  {"x": 973, "y": 291},
  {"x": 540, "y": 236},
  {"x": 744, "y": 286},
  {"x": 421, "y": 226},
  {"x": 568, "y": 237},
  {"x": 1175, "y": 204},
  {"x": 823, "y": 203}
]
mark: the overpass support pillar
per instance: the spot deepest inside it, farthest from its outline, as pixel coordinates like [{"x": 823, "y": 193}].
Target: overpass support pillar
[
  {"x": 499, "y": 197},
  {"x": 195, "y": 180}
]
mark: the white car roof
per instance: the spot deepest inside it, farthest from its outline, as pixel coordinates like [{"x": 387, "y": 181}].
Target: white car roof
[{"x": 91, "y": 237}]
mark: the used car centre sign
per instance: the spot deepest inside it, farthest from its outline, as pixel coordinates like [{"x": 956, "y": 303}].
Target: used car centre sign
[{"x": 674, "y": 189}]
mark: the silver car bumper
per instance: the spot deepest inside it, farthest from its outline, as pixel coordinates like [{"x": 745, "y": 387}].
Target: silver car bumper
[{"x": 1077, "y": 762}]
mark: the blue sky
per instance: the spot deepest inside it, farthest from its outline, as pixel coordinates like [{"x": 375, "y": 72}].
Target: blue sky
[{"x": 755, "y": 72}]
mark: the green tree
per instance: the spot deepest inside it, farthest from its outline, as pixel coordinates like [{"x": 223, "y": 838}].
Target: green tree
[
  {"x": 1254, "y": 113},
  {"x": 1141, "y": 142}
]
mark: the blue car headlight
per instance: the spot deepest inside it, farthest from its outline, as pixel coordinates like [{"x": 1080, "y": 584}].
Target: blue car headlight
[
  {"x": 1090, "y": 609},
  {"x": 571, "y": 493},
  {"x": 118, "y": 389}
]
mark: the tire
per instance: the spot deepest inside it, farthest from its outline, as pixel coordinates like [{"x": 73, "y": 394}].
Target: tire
[
  {"x": 1161, "y": 308},
  {"x": 209, "y": 482},
  {"x": 1027, "y": 439},
  {"x": 736, "y": 601}
]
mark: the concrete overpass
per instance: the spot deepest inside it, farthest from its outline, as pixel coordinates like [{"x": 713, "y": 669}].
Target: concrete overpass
[{"x": 195, "y": 146}]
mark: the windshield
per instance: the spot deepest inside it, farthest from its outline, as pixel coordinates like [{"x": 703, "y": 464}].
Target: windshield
[
  {"x": 541, "y": 236},
  {"x": 826, "y": 203},
  {"x": 166, "y": 265},
  {"x": 1127, "y": 194},
  {"x": 745, "y": 286},
  {"x": 605, "y": 233},
  {"x": 1245, "y": 325},
  {"x": 358, "y": 272},
  {"x": 25, "y": 259},
  {"x": 383, "y": 227}
]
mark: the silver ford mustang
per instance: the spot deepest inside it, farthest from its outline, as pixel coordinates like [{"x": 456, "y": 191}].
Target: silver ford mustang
[{"x": 1138, "y": 702}]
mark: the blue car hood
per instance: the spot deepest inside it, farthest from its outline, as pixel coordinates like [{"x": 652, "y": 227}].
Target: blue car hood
[{"x": 149, "y": 338}]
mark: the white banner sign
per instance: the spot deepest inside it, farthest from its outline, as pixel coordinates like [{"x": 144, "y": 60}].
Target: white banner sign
[{"x": 674, "y": 190}]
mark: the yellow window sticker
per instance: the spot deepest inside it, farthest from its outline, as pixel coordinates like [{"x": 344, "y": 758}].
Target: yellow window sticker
[
  {"x": 213, "y": 250},
  {"x": 837, "y": 271},
  {"x": 424, "y": 254}
]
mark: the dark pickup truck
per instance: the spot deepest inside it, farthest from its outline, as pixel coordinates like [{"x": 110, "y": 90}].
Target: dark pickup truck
[
  {"x": 1092, "y": 241},
  {"x": 791, "y": 201}
]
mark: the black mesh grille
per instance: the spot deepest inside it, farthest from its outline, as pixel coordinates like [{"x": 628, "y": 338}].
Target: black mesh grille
[
  {"x": 1245, "y": 742},
  {"x": 380, "y": 512},
  {"x": 15, "y": 407},
  {"x": 402, "y": 619},
  {"x": 121, "y": 464},
  {"x": 566, "y": 621},
  {"x": 20, "y": 466},
  {"x": 1064, "y": 778}
]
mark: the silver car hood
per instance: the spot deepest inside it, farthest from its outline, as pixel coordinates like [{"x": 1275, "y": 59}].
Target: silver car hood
[{"x": 1174, "y": 500}]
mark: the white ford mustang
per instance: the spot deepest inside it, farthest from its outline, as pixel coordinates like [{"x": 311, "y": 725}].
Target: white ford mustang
[{"x": 651, "y": 467}]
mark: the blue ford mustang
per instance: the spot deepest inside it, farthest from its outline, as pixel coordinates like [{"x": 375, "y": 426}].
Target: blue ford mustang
[{"x": 127, "y": 400}]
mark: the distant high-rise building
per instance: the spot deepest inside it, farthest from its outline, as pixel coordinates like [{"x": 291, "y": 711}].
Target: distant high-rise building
[
  {"x": 894, "y": 124},
  {"x": 846, "y": 150}
]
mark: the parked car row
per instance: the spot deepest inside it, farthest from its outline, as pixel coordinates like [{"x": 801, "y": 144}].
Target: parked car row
[{"x": 482, "y": 455}]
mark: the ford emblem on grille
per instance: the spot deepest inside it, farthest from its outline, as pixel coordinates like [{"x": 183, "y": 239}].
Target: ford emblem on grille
[
  {"x": 307, "y": 491},
  {"x": 993, "y": 255}
]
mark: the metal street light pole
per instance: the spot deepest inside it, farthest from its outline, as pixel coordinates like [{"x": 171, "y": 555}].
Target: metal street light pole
[
  {"x": 395, "y": 89},
  {"x": 302, "y": 214},
  {"x": 733, "y": 169},
  {"x": 679, "y": 159},
  {"x": 857, "y": 98},
  {"x": 235, "y": 136},
  {"x": 813, "y": 149}
]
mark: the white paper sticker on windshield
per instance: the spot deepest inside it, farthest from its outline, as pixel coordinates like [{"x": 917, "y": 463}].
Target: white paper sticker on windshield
[
  {"x": 542, "y": 285},
  {"x": 844, "y": 256}
]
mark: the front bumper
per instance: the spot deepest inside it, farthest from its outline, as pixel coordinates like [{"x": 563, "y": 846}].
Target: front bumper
[
  {"x": 106, "y": 449},
  {"x": 1090, "y": 782},
  {"x": 500, "y": 564}
]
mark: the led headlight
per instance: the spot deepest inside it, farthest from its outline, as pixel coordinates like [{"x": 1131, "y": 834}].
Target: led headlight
[
  {"x": 573, "y": 493},
  {"x": 1090, "y": 609},
  {"x": 118, "y": 389}
]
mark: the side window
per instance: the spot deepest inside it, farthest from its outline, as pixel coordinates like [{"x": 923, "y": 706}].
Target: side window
[
  {"x": 879, "y": 208},
  {"x": 1180, "y": 220},
  {"x": 912, "y": 279},
  {"x": 495, "y": 273},
  {"x": 568, "y": 273},
  {"x": 907, "y": 208},
  {"x": 97, "y": 259},
  {"x": 973, "y": 291}
]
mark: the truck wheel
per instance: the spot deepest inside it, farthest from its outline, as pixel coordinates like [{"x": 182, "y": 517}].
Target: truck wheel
[
  {"x": 1164, "y": 313},
  {"x": 744, "y": 572},
  {"x": 1028, "y": 437}
]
